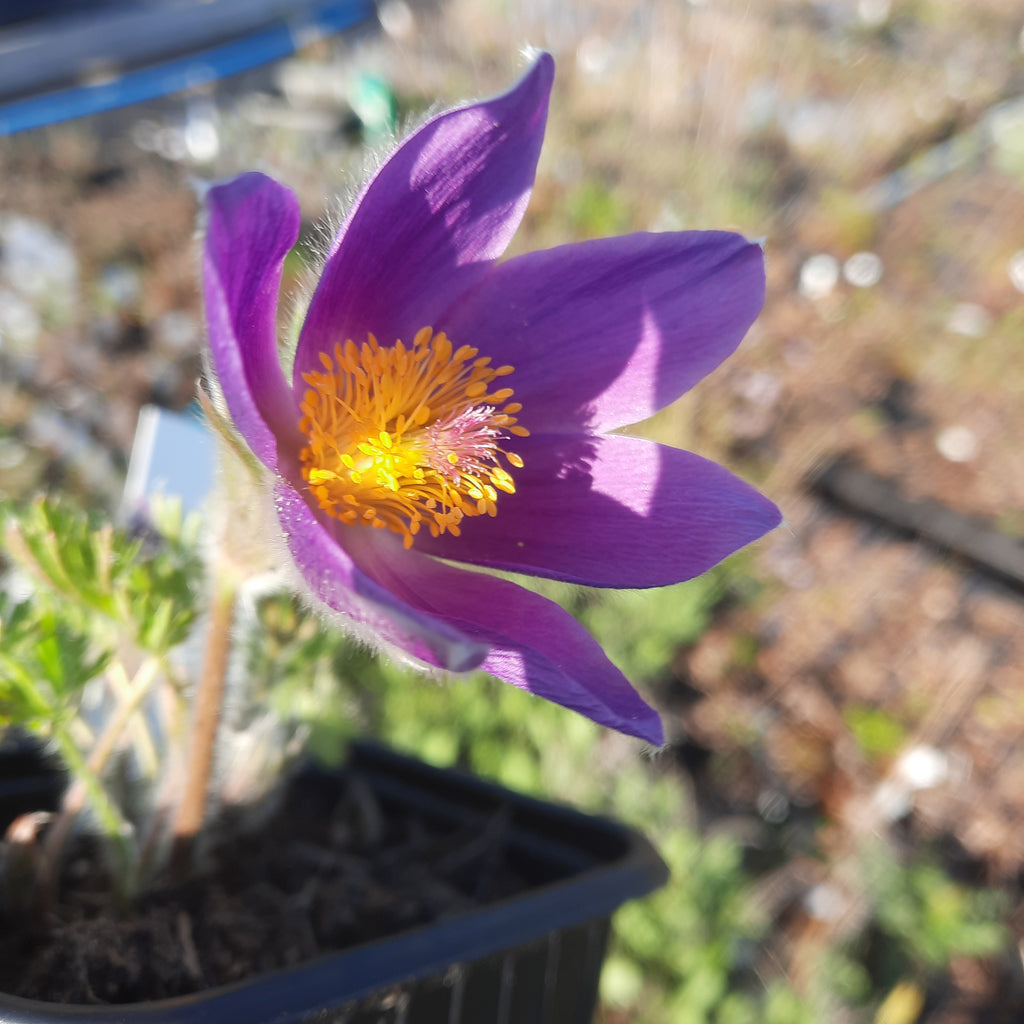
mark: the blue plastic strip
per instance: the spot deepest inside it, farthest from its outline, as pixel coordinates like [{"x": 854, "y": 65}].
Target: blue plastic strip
[{"x": 184, "y": 72}]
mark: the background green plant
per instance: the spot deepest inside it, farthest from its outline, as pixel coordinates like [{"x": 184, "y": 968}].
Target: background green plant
[{"x": 85, "y": 603}]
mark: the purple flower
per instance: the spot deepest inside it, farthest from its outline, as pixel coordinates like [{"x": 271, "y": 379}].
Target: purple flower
[{"x": 444, "y": 407}]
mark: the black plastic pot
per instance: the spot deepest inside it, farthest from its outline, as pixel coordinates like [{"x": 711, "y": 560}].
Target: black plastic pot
[
  {"x": 531, "y": 959},
  {"x": 27, "y": 782}
]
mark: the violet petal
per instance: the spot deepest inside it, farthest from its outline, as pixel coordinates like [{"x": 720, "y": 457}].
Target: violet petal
[
  {"x": 370, "y": 610},
  {"x": 612, "y": 511},
  {"x": 534, "y": 644},
  {"x": 607, "y": 332},
  {"x": 253, "y": 223},
  {"x": 425, "y": 228}
]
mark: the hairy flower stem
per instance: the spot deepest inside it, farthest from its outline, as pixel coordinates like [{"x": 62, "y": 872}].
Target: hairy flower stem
[{"x": 209, "y": 698}]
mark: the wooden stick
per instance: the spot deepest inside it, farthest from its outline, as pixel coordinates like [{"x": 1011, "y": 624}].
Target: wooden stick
[{"x": 209, "y": 699}]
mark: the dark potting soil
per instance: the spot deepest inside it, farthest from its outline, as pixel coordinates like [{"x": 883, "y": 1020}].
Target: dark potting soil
[{"x": 320, "y": 875}]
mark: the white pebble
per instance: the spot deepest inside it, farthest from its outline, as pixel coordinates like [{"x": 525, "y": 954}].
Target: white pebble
[
  {"x": 923, "y": 767},
  {"x": 1016, "y": 270},
  {"x": 863, "y": 269},
  {"x": 970, "y": 320},
  {"x": 818, "y": 276},
  {"x": 957, "y": 444}
]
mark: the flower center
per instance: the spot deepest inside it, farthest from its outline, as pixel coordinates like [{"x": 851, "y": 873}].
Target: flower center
[{"x": 403, "y": 436}]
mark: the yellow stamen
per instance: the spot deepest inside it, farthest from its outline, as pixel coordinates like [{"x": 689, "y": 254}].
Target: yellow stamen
[{"x": 401, "y": 436}]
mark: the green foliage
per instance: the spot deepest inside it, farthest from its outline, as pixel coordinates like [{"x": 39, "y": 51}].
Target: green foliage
[
  {"x": 877, "y": 733},
  {"x": 86, "y": 601},
  {"x": 44, "y": 662},
  {"x": 594, "y": 210},
  {"x": 930, "y": 918},
  {"x": 687, "y": 939},
  {"x": 643, "y": 630},
  {"x": 921, "y": 920},
  {"x": 103, "y": 582},
  {"x": 845, "y": 977},
  {"x": 779, "y": 1005},
  {"x": 294, "y": 664}
]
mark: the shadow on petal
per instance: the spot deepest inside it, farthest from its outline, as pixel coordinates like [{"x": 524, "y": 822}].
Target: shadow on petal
[
  {"x": 604, "y": 333},
  {"x": 612, "y": 511}
]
